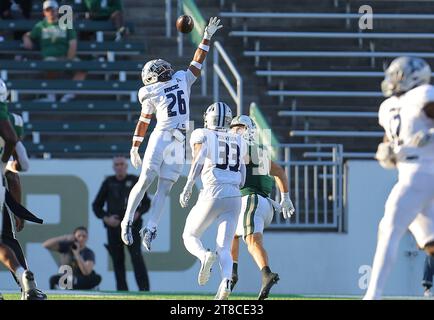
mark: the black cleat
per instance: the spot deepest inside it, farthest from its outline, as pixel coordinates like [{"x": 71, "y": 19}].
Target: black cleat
[
  {"x": 267, "y": 282},
  {"x": 29, "y": 289},
  {"x": 234, "y": 281}
]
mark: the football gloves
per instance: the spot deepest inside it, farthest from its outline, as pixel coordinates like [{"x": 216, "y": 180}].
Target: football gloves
[
  {"x": 287, "y": 207},
  {"x": 386, "y": 155},
  {"x": 212, "y": 27},
  {"x": 185, "y": 195},
  {"x": 136, "y": 161}
]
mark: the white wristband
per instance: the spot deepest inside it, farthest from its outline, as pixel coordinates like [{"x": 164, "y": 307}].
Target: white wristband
[
  {"x": 196, "y": 64},
  {"x": 284, "y": 195},
  {"x": 137, "y": 138},
  {"x": 204, "y": 47},
  {"x": 145, "y": 120},
  {"x": 134, "y": 149}
]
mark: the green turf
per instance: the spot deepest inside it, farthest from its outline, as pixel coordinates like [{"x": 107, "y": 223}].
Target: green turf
[{"x": 160, "y": 296}]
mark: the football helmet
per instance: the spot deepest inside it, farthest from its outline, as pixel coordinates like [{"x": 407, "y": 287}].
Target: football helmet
[
  {"x": 157, "y": 70},
  {"x": 218, "y": 116},
  {"x": 404, "y": 74},
  {"x": 249, "y": 133}
]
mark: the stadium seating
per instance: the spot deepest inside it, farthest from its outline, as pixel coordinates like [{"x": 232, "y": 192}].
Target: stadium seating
[{"x": 321, "y": 73}]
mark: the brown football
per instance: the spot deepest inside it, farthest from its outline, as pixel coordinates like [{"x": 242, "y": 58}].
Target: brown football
[{"x": 184, "y": 24}]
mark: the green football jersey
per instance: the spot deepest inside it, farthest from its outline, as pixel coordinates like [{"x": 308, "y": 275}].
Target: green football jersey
[
  {"x": 52, "y": 40},
  {"x": 4, "y": 111},
  {"x": 258, "y": 180}
]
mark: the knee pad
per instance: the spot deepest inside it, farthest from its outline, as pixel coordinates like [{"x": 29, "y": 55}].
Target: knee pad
[{"x": 429, "y": 248}]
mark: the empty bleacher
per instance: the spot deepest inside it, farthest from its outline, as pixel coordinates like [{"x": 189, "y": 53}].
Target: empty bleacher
[{"x": 318, "y": 75}]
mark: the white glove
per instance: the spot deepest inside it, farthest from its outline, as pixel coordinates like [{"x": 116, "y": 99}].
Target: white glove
[
  {"x": 276, "y": 205},
  {"x": 386, "y": 155},
  {"x": 287, "y": 207},
  {"x": 211, "y": 28},
  {"x": 136, "y": 161},
  {"x": 185, "y": 195}
]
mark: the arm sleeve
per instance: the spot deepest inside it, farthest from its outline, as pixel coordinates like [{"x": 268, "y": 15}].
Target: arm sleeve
[
  {"x": 197, "y": 165},
  {"x": 64, "y": 246},
  {"x": 89, "y": 255},
  {"x": 72, "y": 34},
  {"x": 190, "y": 77},
  {"x": 198, "y": 136},
  {"x": 100, "y": 200},
  {"x": 35, "y": 33}
]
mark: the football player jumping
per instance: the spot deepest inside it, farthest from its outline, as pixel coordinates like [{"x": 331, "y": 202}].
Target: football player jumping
[
  {"x": 166, "y": 93},
  {"x": 257, "y": 208},
  {"x": 407, "y": 117}
]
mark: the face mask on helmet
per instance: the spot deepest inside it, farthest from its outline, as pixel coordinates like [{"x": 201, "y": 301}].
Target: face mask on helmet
[
  {"x": 246, "y": 127},
  {"x": 404, "y": 74},
  {"x": 156, "y": 71},
  {"x": 218, "y": 116}
]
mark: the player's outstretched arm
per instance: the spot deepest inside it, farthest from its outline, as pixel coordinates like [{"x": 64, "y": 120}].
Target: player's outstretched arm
[
  {"x": 199, "y": 152},
  {"x": 203, "y": 48},
  {"x": 139, "y": 135},
  {"x": 282, "y": 183}
]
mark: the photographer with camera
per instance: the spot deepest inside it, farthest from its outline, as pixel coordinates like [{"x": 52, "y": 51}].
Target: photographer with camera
[{"x": 81, "y": 259}]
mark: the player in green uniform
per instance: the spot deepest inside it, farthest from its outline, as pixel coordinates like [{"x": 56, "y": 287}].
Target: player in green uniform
[
  {"x": 257, "y": 208},
  {"x": 11, "y": 254}
]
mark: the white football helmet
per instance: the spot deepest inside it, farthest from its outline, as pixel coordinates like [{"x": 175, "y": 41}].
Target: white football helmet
[
  {"x": 218, "y": 116},
  {"x": 3, "y": 91},
  {"x": 156, "y": 70},
  {"x": 404, "y": 74},
  {"x": 249, "y": 133}
]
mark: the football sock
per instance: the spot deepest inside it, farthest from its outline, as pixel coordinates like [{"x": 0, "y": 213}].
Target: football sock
[
  {"x": 19, "y": 273},
  {"x": 235, "y": 267},
  {"x": 385, "y": 256},
  {"x": 157, "y": 205},
  {"x": 226, "y": 263},
  {"x": 265, "y": 271}
]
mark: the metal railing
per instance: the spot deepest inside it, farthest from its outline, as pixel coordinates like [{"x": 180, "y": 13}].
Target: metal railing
[
  {"x": 315, "y": 186},
  {"x": 335, "y": 54},
  {"x": 302, "y": 15},
  {"x": 317, "y": 93},
  {"x": 336, "y": 134},
  {"x": 219, "y": 74},
  {"x": 328, "y": 114},
  {"x": 332, "y": 35}
]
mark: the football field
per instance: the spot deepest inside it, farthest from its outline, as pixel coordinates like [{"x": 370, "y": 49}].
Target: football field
[{"x": 112, "y": 295}]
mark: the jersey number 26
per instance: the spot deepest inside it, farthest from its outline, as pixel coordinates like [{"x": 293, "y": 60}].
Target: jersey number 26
[{"x": 176, "y": 100}]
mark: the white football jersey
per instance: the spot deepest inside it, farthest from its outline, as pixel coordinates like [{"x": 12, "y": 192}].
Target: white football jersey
[
  {"x": 170, "y": 101},
  {"x": 221, "y": 173},
  {"x": 402, "y": 117}
]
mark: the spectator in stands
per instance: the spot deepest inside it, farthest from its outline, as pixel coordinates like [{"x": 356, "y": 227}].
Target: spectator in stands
[
  {"x": 54, "y": 42},
  {"x": 105, "y": 10},
  {"x": 75, "y": 254},
  {"x": 428, "y": 273},
  {"x": 114, "y": 193},
  {"x": 9, "y": 7}
]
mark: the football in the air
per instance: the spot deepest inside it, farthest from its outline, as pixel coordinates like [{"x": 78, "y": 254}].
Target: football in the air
[{"x": 184, "y": 24}]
